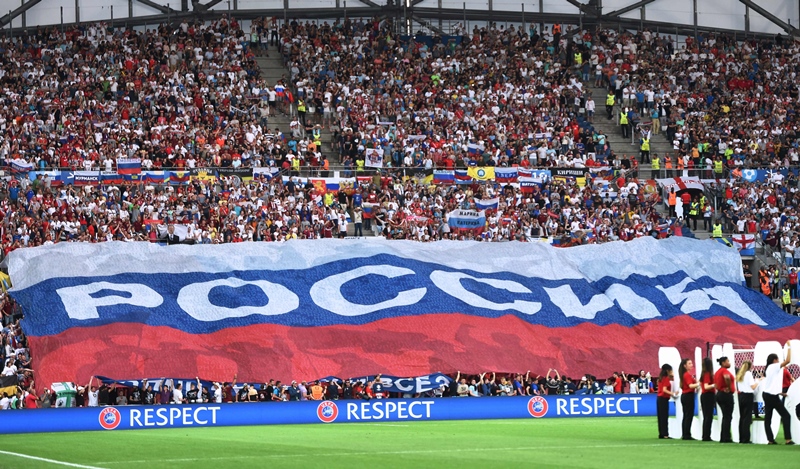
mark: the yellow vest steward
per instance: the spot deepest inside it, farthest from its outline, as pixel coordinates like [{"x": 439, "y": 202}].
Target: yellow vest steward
[
  {"x": 655, "y": 164},
  {"x": 623, "y": 118},
  {"x": 717, "y": 233},
  {"x": 718, "y": 166},
  {"x": 646, "y": 144},
  {"x": 787, "y": 297},
  {"x": 694, "y": 208},
  {"x": 610, "y": 100},
  {"x": 301, "y": 107}
]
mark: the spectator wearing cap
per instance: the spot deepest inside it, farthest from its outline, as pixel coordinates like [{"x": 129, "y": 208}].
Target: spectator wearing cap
[{"x": 293, "y": 392}]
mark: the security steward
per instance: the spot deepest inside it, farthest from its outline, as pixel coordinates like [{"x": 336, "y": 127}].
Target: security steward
[
  {"x": 763, "y": 281},
  {"x": 645, "y": 151},
  {"x": 694, "y": 212},
  {"x": 610, "y": 104},
  {"x": 655, "y": 166},
  {"x": 717, "y": 230},
  {"x": 786, "y": 299},
  {"x": 624, "y": 124},
  {"x": 673, "y": 201},
  {"x": 718, "y": 168}
]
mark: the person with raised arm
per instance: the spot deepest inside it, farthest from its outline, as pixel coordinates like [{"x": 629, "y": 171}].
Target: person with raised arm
[
  {"x": 553, "y": 384},
  {"x": 772, "y": 396}
]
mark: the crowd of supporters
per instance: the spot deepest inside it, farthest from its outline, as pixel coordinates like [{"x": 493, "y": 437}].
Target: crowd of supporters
[
  {"x": 190, "y": 95},
  {"x": 165, "y": 392}
]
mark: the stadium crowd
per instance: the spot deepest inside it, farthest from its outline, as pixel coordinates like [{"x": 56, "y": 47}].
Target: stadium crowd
[
  {"x": 191, "y": 96},
  {"x": 166, "y": 391}
]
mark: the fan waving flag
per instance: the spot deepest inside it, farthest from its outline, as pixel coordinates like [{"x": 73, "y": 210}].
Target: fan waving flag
[
  {"x": 129, "y": 165},
  {"x": 462, "y": 177},
  {"x": 486, "y": 204},
  {"x": 467, "y": 220},
  {"x": 21, "y": 166},
  {"x": 745, "y": 243}
]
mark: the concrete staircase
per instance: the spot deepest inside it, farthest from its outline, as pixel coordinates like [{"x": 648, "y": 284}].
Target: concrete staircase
[
  {"x": 622, "y": 146},
  {"x": 272, "y": 70}
]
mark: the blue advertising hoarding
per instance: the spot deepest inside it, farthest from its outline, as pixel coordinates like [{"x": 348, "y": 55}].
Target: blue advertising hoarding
[{"x": 349, "y": 411}]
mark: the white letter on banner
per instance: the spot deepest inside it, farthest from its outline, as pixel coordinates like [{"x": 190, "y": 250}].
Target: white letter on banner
[
  {"x": 703, "y": 299},
  {"x": 327, "y": 293},
  {"x": 193, "y": 299},
  {"x": 79, "y": 303},
  {"x": 566, "y": 300},
  {"x": 450, "y": 283}
]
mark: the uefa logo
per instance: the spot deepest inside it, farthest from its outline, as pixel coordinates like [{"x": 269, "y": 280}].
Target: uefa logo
[
  {"x": 327, "y": 411},
  {"x": 110, "y": 418},
  {"x": 537, "y": 407}
]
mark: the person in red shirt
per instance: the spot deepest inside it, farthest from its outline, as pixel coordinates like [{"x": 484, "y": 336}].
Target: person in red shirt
[
  {"x": 662, "y": 401},
  {"x": 619, "y": 382},
  {"x": 707, "y": 392},
  {"x": 724, "y": 381},
  {"x": 30, "y": 399},
  {"x": 689, "y": 386},
  {"x": 787, "y": 381}
]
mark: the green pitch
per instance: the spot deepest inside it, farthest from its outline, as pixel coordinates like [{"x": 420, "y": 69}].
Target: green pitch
[{"x": 580, "y": 443}]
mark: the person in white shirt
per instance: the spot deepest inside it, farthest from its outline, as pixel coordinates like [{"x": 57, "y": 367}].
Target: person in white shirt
[
  {"x": 177, "y": 394},
  {"x": 746, "y": 386},
  {"x": 5, "y": 402},
  {"x": 10, "y": 369},
  {"x": 93, "y": 397},
  {"x": 217, "y": 393},
  {"x": 772, "y": 390}
]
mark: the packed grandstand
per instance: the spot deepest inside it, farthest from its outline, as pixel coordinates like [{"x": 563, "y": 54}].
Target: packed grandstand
[{"x": 167, "y": 137}]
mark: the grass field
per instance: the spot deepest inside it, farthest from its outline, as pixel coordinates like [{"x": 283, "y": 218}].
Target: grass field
[{"x": 584, "y": 443}]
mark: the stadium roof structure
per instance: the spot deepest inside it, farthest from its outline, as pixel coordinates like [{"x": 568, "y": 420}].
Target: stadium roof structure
[{"x": 673, "y": 17}]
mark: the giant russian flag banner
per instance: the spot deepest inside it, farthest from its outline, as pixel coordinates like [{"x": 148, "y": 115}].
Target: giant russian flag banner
[{"x": 305, "y": 309}]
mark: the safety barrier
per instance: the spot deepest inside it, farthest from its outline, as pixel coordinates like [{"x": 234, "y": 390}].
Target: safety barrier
[{"x": 343, "y": 411}]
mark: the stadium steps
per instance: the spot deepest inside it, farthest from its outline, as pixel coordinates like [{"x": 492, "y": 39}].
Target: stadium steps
[
  {"x": 622, "y": 146},
  {"x": 272, "y": 69}
]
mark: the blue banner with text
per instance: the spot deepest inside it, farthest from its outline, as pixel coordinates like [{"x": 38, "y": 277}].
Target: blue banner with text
[{"x": 342, "y": 411}]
